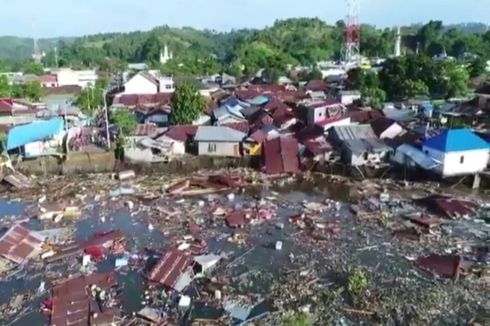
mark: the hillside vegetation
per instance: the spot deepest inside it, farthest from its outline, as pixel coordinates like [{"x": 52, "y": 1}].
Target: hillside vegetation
[{"x": 293, "y": 41}]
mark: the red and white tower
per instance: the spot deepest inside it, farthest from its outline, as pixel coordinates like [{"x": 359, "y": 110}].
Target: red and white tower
[{"x": 352, "y": 46}]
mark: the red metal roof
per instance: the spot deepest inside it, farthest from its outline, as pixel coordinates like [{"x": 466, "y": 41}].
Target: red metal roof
[
  {"x": 18, "y": 243},
  {"x": 67, "y": 89},
  {"x": 170, "y": 267},
  {"x": 317, "y": 85},
  {"x": 71, "y": 303},
  {"x": 48, "y": 79},
  {"x": 236, "y": 219},
  {"x": 239, "y": 126},
  {"x": 181, "y": 133},
  {"x": 142, "y": 99},
  {"x": 281, "y": 155},
  {"x": 145, "y": 130}
]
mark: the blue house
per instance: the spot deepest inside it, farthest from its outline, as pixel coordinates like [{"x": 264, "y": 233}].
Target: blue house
[
  {"x": 459, "y": 152},
  {"x": 36, "y": 138}
]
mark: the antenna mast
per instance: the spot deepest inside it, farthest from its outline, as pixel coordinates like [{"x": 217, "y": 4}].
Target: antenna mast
[{"x": 353, "y": 32}]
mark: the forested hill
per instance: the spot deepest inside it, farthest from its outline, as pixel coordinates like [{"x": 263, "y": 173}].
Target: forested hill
[{"x": 301, "y": 40}]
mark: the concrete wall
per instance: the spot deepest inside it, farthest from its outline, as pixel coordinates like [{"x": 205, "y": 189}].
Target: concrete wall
[
  {"x": 140, "y": 85},
  {"x": 473, "y": 161},
  {"x": 78, "y": 162},
  {"x": 222, "y": 149}
]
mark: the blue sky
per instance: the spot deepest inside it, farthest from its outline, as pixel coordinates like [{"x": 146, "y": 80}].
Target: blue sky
[{"x": 47, "y": 18}]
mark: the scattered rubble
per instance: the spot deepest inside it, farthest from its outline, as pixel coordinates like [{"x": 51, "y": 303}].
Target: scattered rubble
[{"x": 238, "y": 247}]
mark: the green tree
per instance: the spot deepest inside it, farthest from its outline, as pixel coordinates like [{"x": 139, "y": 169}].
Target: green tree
[
  {"x": 90, "y": 100},
  {"x": 151, "y": 49},
  {"x": 314, "y": 74},
  {"x": 3, "y": 140},
  {"x": 187, "y": 104},
  {"x": 33, "y": 68},
  {"x": 477, "y": 67},
  {"x": 33, "y": 90},
  {"x": 368, "y": 83},
  {"x": 5, "y": 89},
  {"x": 125, "y": 122}
]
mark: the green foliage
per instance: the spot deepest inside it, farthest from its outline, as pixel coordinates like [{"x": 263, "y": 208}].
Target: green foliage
[
  {"x": 5, "y": 89},
  {"x": 33, "y": 68},
  {"x": 191, "y": 65},
  {"x": 187, "y": 104},
  {"x": 299, "y": 319},
  {"x": 411, "y": 76},
  {"x": 125, "y": 122},
  {"x": 3, "y": 140},
  {"x": 314, "y": 74},
  {"x": 477, "y": 67},
  {"x": 31, "y": 90},
  {"x": 91, "y": 99},
  {"x": 357, "y": 282},
  {"x": 368, "y": 83},
  {"x": 151, "y": 49}
]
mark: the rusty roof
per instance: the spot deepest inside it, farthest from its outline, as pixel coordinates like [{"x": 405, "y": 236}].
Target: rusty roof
[
  {"x": 133, "y": 100},
  {"x": 170, "y": 267},
  {"x": 71, "y": 302},
  {"x": 145, "y": 130},
  {"x": 317, "y": 85},
  {"x": 236, "y": 219},
  {"x": 181, "y": 133},
  {"x": 281, "y": 155},
  {"x": 19, "y": 243}
]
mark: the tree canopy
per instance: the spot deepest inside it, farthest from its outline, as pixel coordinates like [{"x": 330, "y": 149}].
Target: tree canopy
[
  {"x": 124, "y": 121},
  {"x": 412, "y": 76},
  {"x": 91, "y": 99},
  {"x": 187, "y": 104}
]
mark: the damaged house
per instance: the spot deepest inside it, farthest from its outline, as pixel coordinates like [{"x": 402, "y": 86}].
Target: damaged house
[
  {"x": 359, "y": 145},
  {"x": 459, "y": 152},
  {"x": 219, "y": 141}
]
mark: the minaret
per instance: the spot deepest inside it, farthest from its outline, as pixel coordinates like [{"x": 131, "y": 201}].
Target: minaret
[
  {"x": 398, "y": 44},
  {"x": 165, "y": 57}
]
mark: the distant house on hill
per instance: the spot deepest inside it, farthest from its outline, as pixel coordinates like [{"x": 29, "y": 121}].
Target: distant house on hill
[{"x": 149, "y": 82}]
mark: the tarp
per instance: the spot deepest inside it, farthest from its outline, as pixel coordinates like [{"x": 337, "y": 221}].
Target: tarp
[
  {"x": 416, "y": 155},
  {"x": 32, "y": 132}
]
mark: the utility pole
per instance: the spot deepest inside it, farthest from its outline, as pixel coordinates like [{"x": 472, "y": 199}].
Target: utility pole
[{"x": 107, "y": 121}]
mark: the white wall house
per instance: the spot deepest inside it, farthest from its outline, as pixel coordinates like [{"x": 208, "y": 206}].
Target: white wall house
[
  {"x": 459, "y": 151},
  {"x": 149, "y": 82},
  {"x": 82, "y": 78},
  {"x": 349, "y": 97},
  {"x": 141, "y": 83}
]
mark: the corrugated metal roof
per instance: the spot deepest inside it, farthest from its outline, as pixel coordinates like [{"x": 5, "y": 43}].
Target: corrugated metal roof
[
  {"x": 456, "y": 140},
  {"x": 219, "y": 134},
  {"x": 35, "y": 131},
  {"x": 351, "y": 132},
  {"x": 19, "y": 243},
  {"x": 281, "y": 155},
  {"x": 170, "y": 267},
  {"x": 370, "y": 145},
  {"x": 416, "y": 155},
  {"x": 71, "y": 303}
]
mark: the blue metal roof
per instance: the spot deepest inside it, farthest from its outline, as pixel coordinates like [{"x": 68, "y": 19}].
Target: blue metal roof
[
  {"x": 259, "y": 100},
  {"x": 35, "y": 131},
  {"x": 456, "y": 140}
]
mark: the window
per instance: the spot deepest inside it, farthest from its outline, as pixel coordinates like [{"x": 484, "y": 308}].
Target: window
[
  {"x": 169, "y": 86},
  {"x": 212, "y": 148},
  {"x": 461, "y": 160}
]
